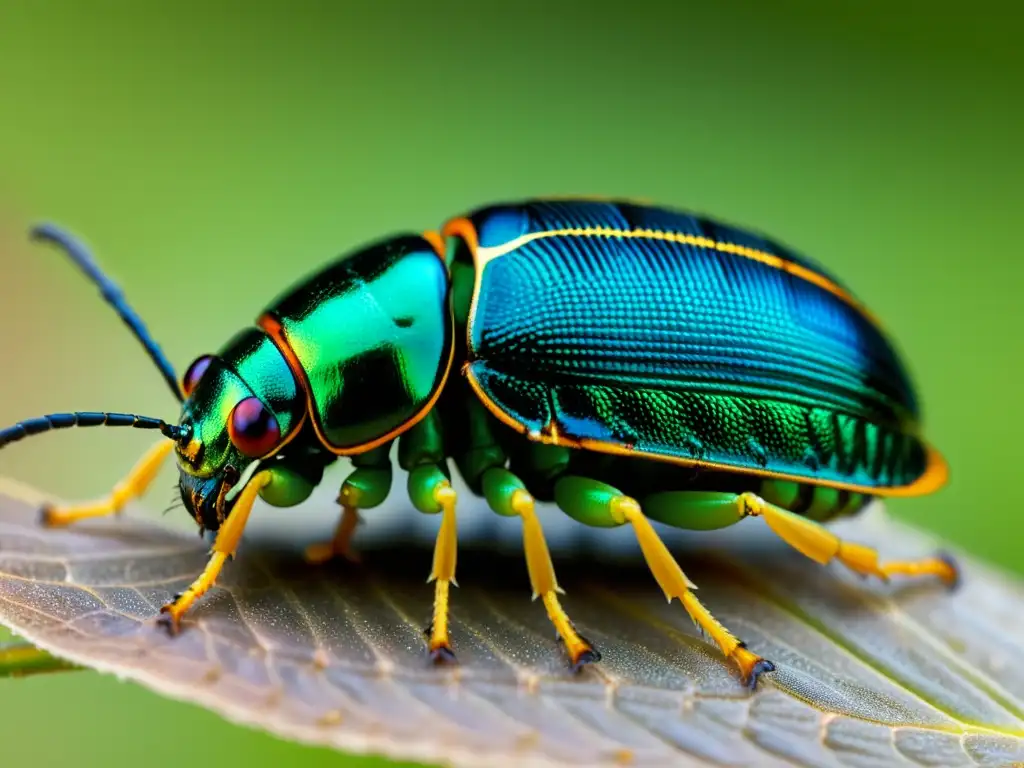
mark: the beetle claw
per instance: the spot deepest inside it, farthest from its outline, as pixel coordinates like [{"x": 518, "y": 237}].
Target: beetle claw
[
  {"x": 760, "y": 668},
  {"x": 168, "y": 620},
  {"x": 46, "y": 516},
  {"x": 442, "y": 654},
  {"x": 956, "y": 578},
  {"x": 589, "y": 656}
]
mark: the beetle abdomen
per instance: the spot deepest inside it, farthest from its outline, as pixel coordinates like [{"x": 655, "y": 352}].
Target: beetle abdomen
[{"x": 638, "y": 330}]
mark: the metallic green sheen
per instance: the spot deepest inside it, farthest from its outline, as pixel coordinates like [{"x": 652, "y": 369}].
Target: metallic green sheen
[
  {"x": 422, "y": 484},
  {"x": 683, "y": 351},
  {"x": 260, "y": 364},
  {"x": 248, "y": 365},
  {"x": 287, "y": 488},
  {"x": 587, "y": 501},
  {"x": 372, "y": 333},
  {"x": 367, "y": 487},
  {"x": 207, "y": 411},
  {"x": 694, "y": 510},
  {"x": 499, "y": 488}
]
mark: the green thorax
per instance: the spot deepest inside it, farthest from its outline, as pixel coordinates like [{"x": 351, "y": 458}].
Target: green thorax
[{"x": 371, "y": 339}]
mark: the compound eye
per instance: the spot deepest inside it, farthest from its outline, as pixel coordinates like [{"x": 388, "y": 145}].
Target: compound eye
[
  {"x": 194, "y": 373},
  {"x": 253, "y": 428}
]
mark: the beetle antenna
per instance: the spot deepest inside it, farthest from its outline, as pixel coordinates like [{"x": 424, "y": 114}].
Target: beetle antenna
[
  {"x": 113, "y": 295},
  {"x": 42, "y": 424}
]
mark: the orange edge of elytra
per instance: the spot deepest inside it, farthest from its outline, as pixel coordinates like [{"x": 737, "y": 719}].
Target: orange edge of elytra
[
  {"x": 436, "y": 241},
  {"x": 272, "y": 327},
  {"x": 464, "y": 228},
  {"x": 934, "y": 477}
]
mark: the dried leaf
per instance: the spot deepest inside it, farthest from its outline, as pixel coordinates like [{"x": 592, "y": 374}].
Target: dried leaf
[{"x": 867, "y": 675}]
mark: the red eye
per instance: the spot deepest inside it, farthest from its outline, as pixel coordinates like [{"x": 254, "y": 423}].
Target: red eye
[
  {"x": 195, "y": 373},
  {"x": 253, "y": 428}
]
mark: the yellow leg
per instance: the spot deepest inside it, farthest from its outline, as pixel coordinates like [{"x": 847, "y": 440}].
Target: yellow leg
[
  {"x": 443, "y": 573},
  {"x": 364, "y": 488},
  {"x": 821, "y": 545},
  {"x": 545, "y": 585},
  {"x": 224, "y": 547},
  {"x": 132, "y": 487},
  {"x": 341, "y": 543},
  {"x": 673, "y": 582}
]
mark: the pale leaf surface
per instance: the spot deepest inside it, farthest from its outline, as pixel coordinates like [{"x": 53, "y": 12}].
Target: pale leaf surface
[{"x": 868, "y": 674}]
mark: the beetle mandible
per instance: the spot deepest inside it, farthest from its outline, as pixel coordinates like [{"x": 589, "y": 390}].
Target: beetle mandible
[{"x": 625, "y": 361}]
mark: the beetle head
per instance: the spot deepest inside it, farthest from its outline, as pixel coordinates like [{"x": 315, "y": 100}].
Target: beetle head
[{"x": 226, "y": 430}]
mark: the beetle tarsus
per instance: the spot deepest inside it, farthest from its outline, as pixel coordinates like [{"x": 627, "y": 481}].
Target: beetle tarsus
[
  {"x": 812, "y": 539},
  {"x": 442, "y": 654},
  {"x": 340, "y": 545},
  {"x": 168, "y": 620},
  {"x": 955, "y": 578},
  {"x": 172, "y": 612},
  {"x": 761, "y": 667},
  {"x": 751, "y": 666},
  {"x": 585, "y": 658},
  {"x": 54, "y": 516},
  {"x": 322, "y": 553},
  {"x": 581, "y": 650},
  {"x": 47, "y": 519}
]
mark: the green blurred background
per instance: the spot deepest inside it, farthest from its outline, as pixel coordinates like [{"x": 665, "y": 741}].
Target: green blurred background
[{"x": 214, "y": 152}]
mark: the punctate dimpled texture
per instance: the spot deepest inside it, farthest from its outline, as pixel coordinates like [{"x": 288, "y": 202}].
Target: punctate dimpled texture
[
  {"x": 866, "y": 674},
  {"x": 665, "y": 342}
]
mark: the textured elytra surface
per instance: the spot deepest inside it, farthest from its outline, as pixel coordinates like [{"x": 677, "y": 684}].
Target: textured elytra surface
[
  {"x": 681, "y": 349},
  {"x": 904, "y": 674}
]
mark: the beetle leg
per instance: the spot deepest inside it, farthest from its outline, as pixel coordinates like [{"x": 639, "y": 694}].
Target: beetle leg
[
  {"x": 821, "y": 545},
  {"x": 224, "y": 547},
  {"x": 595, "y": 503},
  {"x": 340, "y": 544},
  {"x": 674, "y": 583},
  {"x": 131, "y": 487},
  {"x": 506, "y": 495},
  {"x": 364, "y": 488},
  {"x": 431, "y": 493},
  {"x": 443, "y": 573}
]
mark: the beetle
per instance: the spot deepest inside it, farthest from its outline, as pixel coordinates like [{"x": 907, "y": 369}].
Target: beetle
[{"x": 627, "y": 362}]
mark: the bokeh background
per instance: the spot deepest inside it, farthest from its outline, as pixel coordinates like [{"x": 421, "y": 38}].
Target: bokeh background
[{"x": 214, "y": 152}]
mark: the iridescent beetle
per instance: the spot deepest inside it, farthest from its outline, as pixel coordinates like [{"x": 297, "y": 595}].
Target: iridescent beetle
[{"x": 624, "y": 361}]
